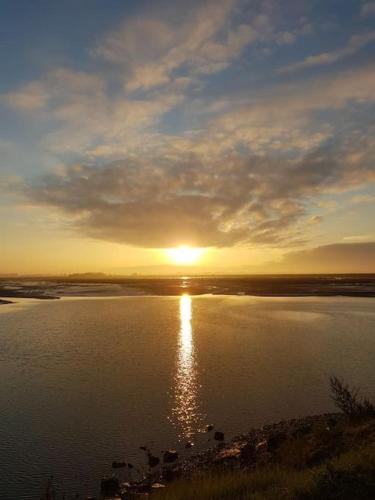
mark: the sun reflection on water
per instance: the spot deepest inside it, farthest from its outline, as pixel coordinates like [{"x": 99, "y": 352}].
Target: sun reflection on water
[{"x": 186, "y": 409}]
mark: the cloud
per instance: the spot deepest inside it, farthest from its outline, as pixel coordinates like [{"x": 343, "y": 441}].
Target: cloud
[
  {"x": 53, "y": 89},
  {"x": 241, "y": 169},
  {"x": 364, "y": 199},
  {"x": 315, "y": 219},
  {"x": 368, "y": 9},
  {"x": 335, "y": 258},
  {"x": 282, "y": 118},
  {"x": 162, "y": 60},
  {"x": 83, "y": 116},
  {"x": 355, "y": 43},
  {"x": 162, "y": 202},
  {"x": 153, "y": 50},
  {"x": 285, "y": 38},
  {"x": 359, "y": 238}
]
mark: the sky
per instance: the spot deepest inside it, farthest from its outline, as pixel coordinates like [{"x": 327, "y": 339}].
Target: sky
[{"x": 243, "y": 128}]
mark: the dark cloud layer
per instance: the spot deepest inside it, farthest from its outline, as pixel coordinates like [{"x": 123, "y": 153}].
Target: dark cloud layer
[
  {"x": 337, "y": 258},
  {"x": 161, "y": 202}
]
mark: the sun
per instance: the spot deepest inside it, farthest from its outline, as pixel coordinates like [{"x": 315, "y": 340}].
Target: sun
[{"x": 184, "y": 254}]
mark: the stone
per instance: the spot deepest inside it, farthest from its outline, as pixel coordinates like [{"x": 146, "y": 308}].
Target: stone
[
  {"x": 276, "y": 439},
  {"x": 118, "y": 465},
  {"x": 153, "y": 461},
  {"x": 158, "y": 486},
  {"x": 229, "y": 453},
  {"x": 248, "y": 453},
  {"x": 262, "y": 446},
  {"x": 170, "y": 456},
  {"x": 219, "y": 436},
  {"x": 109, "y": 486},
  {"x": 169, "y": 474}
]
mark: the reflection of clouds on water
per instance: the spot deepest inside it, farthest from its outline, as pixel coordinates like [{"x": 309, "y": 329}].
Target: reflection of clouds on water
[
  {"x": 186, "y": 413},
  {"x": 299, "y": 315}
]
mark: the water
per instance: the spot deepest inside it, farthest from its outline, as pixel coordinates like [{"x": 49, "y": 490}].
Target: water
[{"x": 87, "y": 381}]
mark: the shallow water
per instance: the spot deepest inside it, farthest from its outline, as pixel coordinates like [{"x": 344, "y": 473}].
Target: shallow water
[{"x": 87, "y": 381}]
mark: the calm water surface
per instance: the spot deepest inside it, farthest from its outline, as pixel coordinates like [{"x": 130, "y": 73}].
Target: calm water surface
[{"x": 87, "y": 381}]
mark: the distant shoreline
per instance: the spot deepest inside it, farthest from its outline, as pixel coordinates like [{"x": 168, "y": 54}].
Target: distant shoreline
[
  {"x": 256, "y": 286},
  {"x": 3, "y": 302}
]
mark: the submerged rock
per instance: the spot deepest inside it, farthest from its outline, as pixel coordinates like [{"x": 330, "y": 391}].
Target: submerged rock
[
  {"x": 209, "y": 428},
  {"x": 170, "y": 456},
  {"x": 153, "y": 461},
  {"x": 118, "y": 465},
  {"x": 219, "y": 436},
  {"x": 109, "y": 486},
  {"x": 169, "y": 474}
]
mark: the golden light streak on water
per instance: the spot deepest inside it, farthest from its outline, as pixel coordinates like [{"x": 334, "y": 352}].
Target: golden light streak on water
[{"x": 186, "y": 409}]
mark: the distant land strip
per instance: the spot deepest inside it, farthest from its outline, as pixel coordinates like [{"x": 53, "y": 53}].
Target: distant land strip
[{"x": 257, "y": 285}]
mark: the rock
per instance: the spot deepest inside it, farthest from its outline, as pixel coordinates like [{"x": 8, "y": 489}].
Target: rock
[
  {"x": 332, "y": 422},
  {"x": 130, "y": 466},
  {"x": 157, "y": 486},
  {"x": 135, "y": 495},
  {"x": 153, "y": 461},
  {"x": 228, "y": 453},
  {"x": 188, "y": 445},
  {"x": 170, "y": 456},
  {"x": 109, "y": 486},
  {"x": 143, "y": 448},
  {"x": 169, "y": 474},
  {"x": 275, "y": 440},
  {"x": 302, "y": 431},
  {"x": 261, "y": 447},
  {"x": 219, "y": 436},
  {"x": 118, "y": 465},
  {"x": 209, "y": 428},
  {"x": 248, "y": 453}
]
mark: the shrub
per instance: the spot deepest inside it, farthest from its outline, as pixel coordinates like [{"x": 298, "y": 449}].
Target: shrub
[{"x": 349, "y": 401}]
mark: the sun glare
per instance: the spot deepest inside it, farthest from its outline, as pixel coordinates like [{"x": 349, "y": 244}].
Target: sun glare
[{"x": 184, "y": 254}]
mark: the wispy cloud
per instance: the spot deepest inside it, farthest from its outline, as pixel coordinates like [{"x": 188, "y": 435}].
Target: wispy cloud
[
  {"x": 355, "y": 43},
  {"x": 368, "y": 9},
  {"x": 154, "y": 51},
  {"x": 366, "y": 199}
]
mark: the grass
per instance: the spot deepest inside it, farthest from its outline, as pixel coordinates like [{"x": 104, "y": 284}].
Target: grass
[
  {"x": 349, "y": 476},
  {"x": 332, "y": 460}
]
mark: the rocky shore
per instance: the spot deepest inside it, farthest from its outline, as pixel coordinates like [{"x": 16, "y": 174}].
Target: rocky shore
[{"x": 295, "y": 445}]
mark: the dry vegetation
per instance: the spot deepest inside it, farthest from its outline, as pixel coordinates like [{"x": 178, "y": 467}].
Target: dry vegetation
[{"x": 328, "y": 462}]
